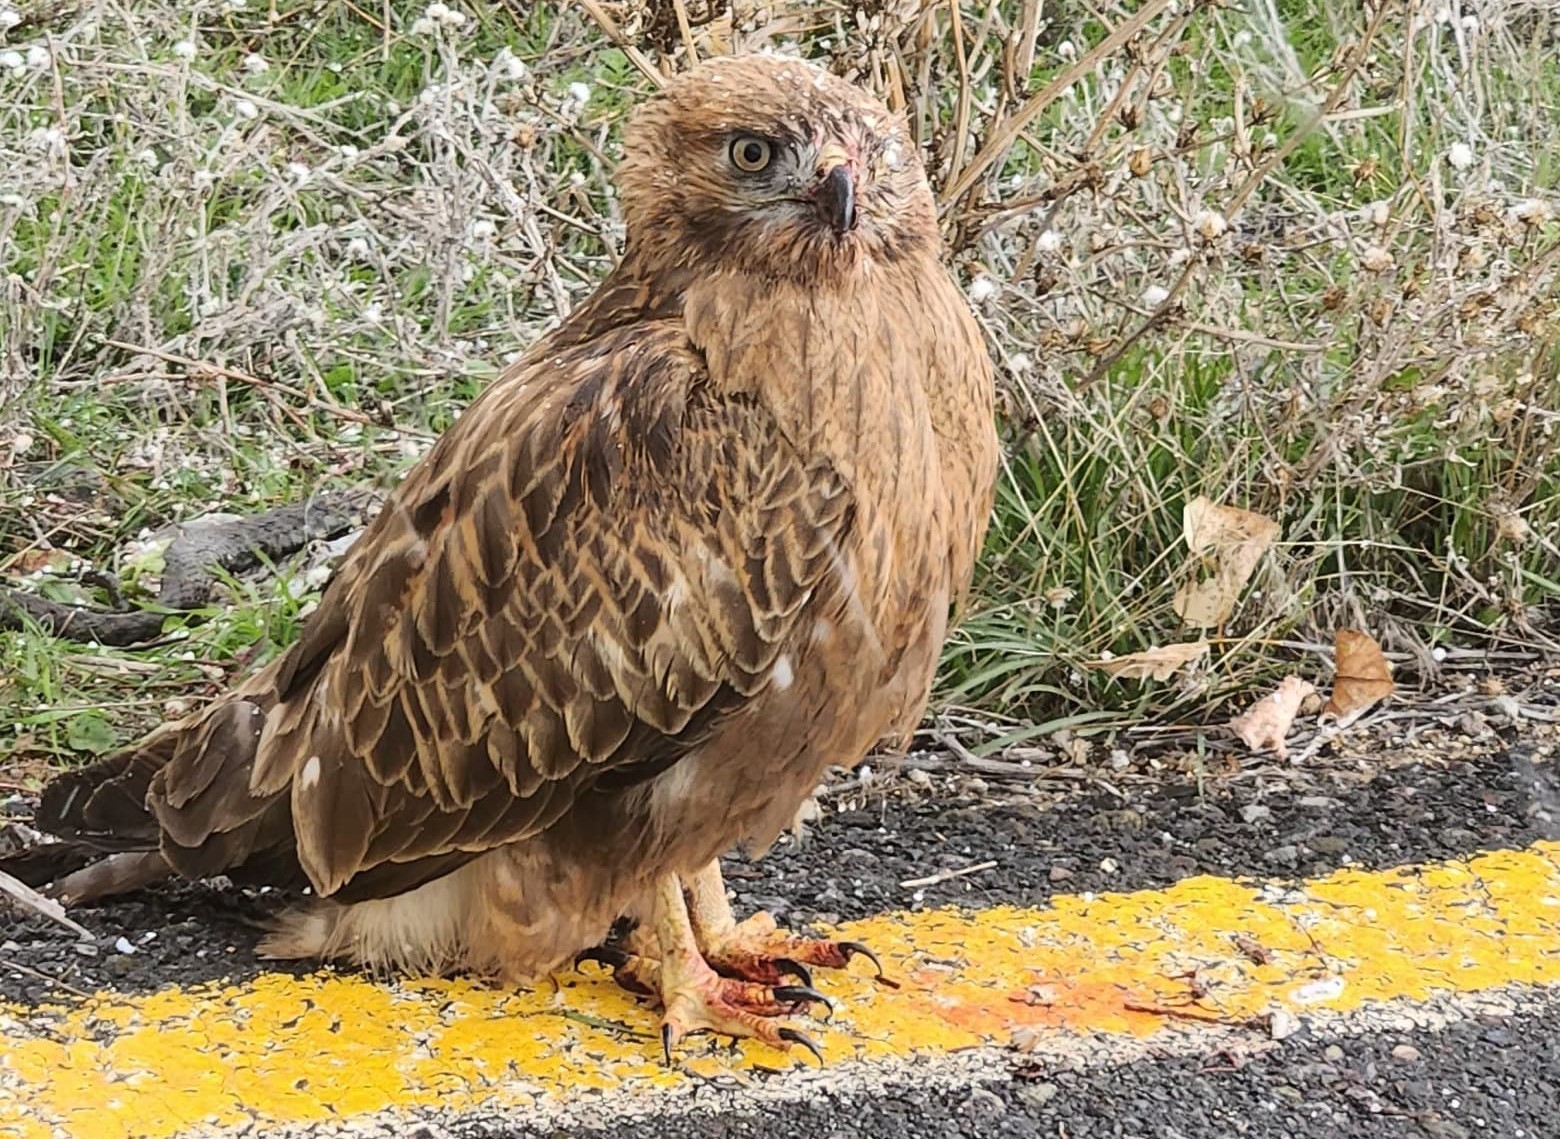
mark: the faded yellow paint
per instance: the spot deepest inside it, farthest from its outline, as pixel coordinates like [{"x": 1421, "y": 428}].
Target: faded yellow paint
[{"x": 279, "y": 1049}]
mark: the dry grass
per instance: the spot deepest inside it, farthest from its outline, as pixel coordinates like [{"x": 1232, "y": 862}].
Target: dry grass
[{"x": 1292, "y": 255}]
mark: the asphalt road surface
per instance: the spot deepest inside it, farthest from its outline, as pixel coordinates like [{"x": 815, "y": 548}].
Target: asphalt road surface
[{"x": 1356, "y": 949}]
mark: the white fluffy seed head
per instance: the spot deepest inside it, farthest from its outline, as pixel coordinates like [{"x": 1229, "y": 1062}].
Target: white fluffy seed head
[
  {"x": 982, "y": 289},
  {"x": 1376, "y": 259}
]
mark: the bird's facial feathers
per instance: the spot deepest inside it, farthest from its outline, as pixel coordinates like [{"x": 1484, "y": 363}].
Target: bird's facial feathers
[{"x": 774, "y": 165}]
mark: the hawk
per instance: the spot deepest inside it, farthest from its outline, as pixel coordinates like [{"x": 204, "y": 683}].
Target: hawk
[{"x": 703, "y": 541}]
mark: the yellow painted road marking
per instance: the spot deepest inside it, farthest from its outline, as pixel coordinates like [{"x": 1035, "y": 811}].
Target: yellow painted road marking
[{"x": 284, "y": 1050}]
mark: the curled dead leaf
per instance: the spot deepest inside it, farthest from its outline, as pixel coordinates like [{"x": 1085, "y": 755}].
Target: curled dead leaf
[
  {"x": 1364, "y": 678},
  {"x": 1159, "y": 663},
  {"x": 1266, "y": 723},
  {"x": 1233, "y": 542}
]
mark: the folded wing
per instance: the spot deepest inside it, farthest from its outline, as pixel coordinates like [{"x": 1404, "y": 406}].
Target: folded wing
[{"x": 593, "y": 567}]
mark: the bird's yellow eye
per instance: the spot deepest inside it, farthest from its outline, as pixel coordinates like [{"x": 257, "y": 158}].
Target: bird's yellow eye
[{"x": 751, "y": 154}]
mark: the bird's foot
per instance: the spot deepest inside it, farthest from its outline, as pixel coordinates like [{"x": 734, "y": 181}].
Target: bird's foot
[
  {"x": 694, "y": 998},
  {"x": 757, "y": 950}
]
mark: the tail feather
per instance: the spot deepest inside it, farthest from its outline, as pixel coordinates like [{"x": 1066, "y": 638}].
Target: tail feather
[
  {"x": 117, "y": 874},
  {"x": 104, "y": 803},
  {"x": 45, "y": 862},
  {"x": 176, "y": 802}
]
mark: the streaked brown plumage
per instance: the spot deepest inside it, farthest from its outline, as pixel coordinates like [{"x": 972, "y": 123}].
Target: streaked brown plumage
[{"x": 700, "y": 543}]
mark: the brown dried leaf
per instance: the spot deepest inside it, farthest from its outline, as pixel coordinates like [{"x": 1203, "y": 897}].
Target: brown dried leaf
[
  {"x": 40, "y": 561},
  {"x": 1364, "y": 678},
  {"x": 1151, "y": 664},
  {"x": 1266, "y": 723},
  {"x": 1234, "y": 540}
]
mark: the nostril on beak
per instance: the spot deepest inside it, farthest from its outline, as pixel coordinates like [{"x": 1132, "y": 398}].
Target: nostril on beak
[{"x": 836, "y": 199}]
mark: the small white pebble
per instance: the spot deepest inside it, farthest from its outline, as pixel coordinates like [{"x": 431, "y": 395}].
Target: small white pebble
[
  {"x": 347, "y": 150},
  {"x": 1438, "y": 654},
  {"x": 298, "y": 172},
  {"x": 38, "y": 58},
  {"x": 1155, "y": 295},
  {"x": 1020, "y": 363},
  {"x": 256, "y": 64},
  {"x": 1049, "y": 241},
  {"x": 12, "y": 60},
  {"x": 9, "y": 18},
  {"x": 579, "y": 93},
  {"x": 358, "y": 249},
  {"x": 423, "y": 26},
  {"x": 1460, "y": 156},
  {"x": 1067, "y": 49},
  {"x": 246, "y": 110},
  {"x": 483, "y": 228},
  {"x": 185, "y": 49},
  {"x": 122, "y": 945},
  {"x": 436, "y": 11}
]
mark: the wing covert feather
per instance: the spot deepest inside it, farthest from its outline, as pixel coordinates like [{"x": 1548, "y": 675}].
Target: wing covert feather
[{"x": 596, "y": 563}]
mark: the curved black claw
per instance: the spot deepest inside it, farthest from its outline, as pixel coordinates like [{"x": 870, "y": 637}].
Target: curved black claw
[
  {"x": 789, "y": 968},
  {"x": 793, "y": 1036},
  {"x": 608, "y": 955},
  {"x": 852, "y": 948},
  {"x": 666, "y": 1044},
  {"x": 799, "y": 994},
  {"x": 620, "y": 962}
]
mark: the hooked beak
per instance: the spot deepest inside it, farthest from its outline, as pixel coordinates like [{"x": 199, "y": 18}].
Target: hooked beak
[{"x": 834, "y": 194}]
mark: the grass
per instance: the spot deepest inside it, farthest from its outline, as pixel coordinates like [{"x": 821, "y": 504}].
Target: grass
[{"x": 1297, "y": 256}]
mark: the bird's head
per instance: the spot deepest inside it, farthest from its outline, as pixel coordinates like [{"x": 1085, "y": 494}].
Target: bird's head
[{"x": 772, "y": 165}]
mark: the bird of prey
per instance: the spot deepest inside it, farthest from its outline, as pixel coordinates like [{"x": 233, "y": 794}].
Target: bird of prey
[{"x": 703, "y": 541}]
